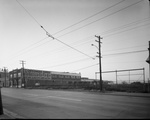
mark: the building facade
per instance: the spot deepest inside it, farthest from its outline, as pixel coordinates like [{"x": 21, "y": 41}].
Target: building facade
[
  {"x": 4, "y": 78},
  {"x": 30, "y": 77}
]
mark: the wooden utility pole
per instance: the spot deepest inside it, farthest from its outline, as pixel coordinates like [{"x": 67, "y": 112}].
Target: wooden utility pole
[
  {"x": 5, "y": 75},
  {"x": 148, "y": 61},
  {"x": 100, "y": 66},
  {"x": 23, "y": 75}
]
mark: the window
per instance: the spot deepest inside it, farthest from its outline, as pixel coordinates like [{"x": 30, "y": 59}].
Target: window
[{"x": 19, "y": 74}]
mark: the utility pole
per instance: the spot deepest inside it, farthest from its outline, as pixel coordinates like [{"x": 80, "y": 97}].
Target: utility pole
[
  {"x": 23, "y": 75},
  {"x": 148, "y": 61},
  {"x": 5, "y": 75},
  {"x": 149, "y": 69},
  {"x": 100, "y": 66}
]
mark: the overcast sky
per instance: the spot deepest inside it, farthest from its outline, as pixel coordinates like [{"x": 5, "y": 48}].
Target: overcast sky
[{"x": 123, "y": 24}]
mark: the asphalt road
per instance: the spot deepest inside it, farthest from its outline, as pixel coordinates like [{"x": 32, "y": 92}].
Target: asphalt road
[{"x": 59, "y": 104}]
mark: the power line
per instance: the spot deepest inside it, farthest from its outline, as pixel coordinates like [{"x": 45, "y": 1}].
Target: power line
[
  {"x": 89, "y": 17},
  {"x": 73, "y": 48},
  {"x": 23, "y": 50},
  {"x": 121, "y": 27},
  {"x": 28, "y": 13},
  {"x": 77, "y": 22},
  {"x": 70, "y": 25},
  {"x": 88, "y": 58},
  {"x": 127, "y": 30},
  {"x": 125, "y": 26},
  {"x": 125, "y": 53},
  {"x": 101, "y": 33},
  {"x": 97, "y": 63},
  {"x": 126, "y": 48},
  {"x": 49, "y": 35},
  {"x": 34, "y": 44},
  {"x": 100, "y": 19},
  {"x": 66, "y": 63},
  {"x": 86, "y": 25},
  {"x": 86, "y": 67}
]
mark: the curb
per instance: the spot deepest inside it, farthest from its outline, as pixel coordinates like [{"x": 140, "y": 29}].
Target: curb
[
  {"x": 12, "y": 115},
  {"x": 129, "y": 95}
]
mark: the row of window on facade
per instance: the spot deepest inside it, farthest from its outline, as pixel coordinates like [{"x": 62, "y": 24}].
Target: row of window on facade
[
  {"x": 66, "y": 76},
  {"x": 45, "y": 75}
]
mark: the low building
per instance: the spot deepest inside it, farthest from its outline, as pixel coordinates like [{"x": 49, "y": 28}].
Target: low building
[
  {"x": 4, "y": 78},
  {"x": 30, "y": 77}
]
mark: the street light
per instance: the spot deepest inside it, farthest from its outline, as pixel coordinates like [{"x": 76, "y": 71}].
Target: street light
[{"x": 95, "y": 46}]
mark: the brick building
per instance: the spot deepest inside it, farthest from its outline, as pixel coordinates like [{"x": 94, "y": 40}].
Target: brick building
[{"x": 30, "y": 77}]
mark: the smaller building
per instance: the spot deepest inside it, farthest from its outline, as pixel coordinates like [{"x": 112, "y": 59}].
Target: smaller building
[{"x": 4, "y": 78}]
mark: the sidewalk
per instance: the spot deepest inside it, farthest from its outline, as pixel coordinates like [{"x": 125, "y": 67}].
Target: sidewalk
[
  {"x": 10, "y": 115},
  {"x": 130, "y": 94},
  {"x": 145, "y": 95},
  {"x": 5, "y": 117}
]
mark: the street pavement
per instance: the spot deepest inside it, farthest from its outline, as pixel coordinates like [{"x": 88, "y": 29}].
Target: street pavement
[{"x": 59, "y": 104}]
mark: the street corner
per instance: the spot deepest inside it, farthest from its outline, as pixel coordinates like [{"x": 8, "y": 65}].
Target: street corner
[{"x": 10, "y": 115}]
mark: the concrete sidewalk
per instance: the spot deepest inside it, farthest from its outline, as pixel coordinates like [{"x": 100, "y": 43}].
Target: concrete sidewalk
[
  {"x": 10, "y": 115},
  {"x": 131, "y": 94},
  {"x": 145, "y": 95},
  {"x": 4, "y": 117}
]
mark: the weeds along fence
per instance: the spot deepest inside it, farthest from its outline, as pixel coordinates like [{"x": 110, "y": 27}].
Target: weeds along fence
[
  {"x": 130, "y": 80},
  {"x": 48, "y": 84}
]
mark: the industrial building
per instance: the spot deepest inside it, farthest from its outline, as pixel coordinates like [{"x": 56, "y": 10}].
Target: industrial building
[
  {"x": 4, "y": 78},
  {"x": 30, "y": 77}
]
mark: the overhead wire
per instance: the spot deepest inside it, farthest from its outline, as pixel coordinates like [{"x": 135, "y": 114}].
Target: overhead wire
[
  {"x": 125, "y": 26},
  {"x": 86, "y": 25},
  {"x": 125, "y": 53},
  {"x": 24, "y": 50},
  {"x": 121, "y": 27},
  {"x": 88, "y": 58},
  {"x": 126, "y": 48},
  {"x": 127, "y": 30},
  {"x": 89, "y": 17},
  {"x": 58, "y": 39},
  {"x": 112, "y": 34},
  {"x": 63, "y": 42},
  {"x": 70, "y": 25},
  {"x": 58, "y": 65},
  {"x": 49, "y": 35},
  {"x": 137, "y": 22},
  {"x": 85, "y": 67},
  {"x": 100, "y": 19},
  {"x": 28, "y": 13}
]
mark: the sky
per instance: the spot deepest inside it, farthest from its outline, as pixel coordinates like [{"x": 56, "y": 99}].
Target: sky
[{"x": 124, "y": 26}]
